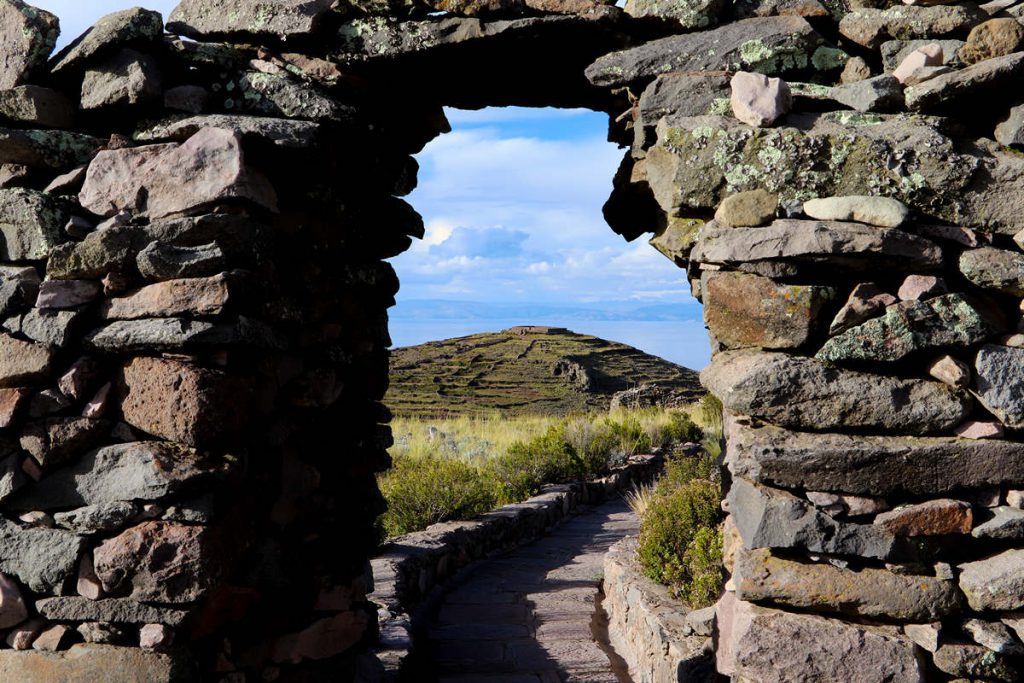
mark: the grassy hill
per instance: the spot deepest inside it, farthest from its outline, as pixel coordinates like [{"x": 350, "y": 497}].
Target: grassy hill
[{"x": 524, "y": 370}]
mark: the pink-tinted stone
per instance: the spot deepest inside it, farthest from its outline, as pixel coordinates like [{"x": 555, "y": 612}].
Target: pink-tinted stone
[
  {"x": 88, "y": 585},
  {"x": 155, "y": 636},
  {"x": 926, "y": 55},
  {"x": 97, "y": 405},
  {"x": 27, "y": 36},
  {"x": 56, "y": 440},
  {"x": 67, "y": 293},
  {"x": 11, "y": 401},
  {"x": 953, "y": 233},
  {"x": 322, "y": 639},
  {"x": 181, "y": 402},
  {"x": 55, "y": 638},
  {"x": 193, "y": 296},
  {"x": 975, "y": 429},
  {"x": 921, "y": 287},
  {"x": 758, "y": 100},
  {"x": 67, "y": 183},
  {"x": 75, "y": 382},
  {"x": 111, "y": 179},
  {"x": 21, "y": 637},
  {"x": 30, "y": 467},
  {"x": 37, "y": 518},
  {"x": 932, "y": 518},
  {"x": 207, "y": 168},
  {"x": 22, "y": 362},
  {"x": 12, "y": 606},
  {"x": 158, "y": 562},
  {"x": 865, "y": 301},
  {"x": 951, "y": 371},
  {"x": 853, "y": 506}
]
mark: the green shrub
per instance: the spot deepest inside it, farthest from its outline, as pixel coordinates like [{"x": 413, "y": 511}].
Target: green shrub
[
  {"x": 710, "y": 412},
  {"x": 629, "y": 435},
  {"x": 428, "y": 489},
  {"x": 680, "y": 541},
  {"x": 681, "y": 470},
  {"x": 594, "y": 444},
  {"x": 681, "y": 429},
  {"x": 461, "y": 467},
  {"x": 527, "y": 465},
  {"x": 703, "y": 562}
]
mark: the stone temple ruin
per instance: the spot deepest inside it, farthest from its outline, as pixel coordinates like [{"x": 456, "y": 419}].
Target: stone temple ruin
[{"x": 194, "y": 309}]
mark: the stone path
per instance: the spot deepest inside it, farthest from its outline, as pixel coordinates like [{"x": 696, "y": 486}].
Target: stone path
[{"x": 530, "y": 616}]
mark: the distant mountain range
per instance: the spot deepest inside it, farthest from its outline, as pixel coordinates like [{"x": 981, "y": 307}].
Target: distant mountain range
[
  {"x": 525, "y": 370},
  {"x": 445, "y": 309}
]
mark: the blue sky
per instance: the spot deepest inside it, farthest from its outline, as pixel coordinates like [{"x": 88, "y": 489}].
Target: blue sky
[{"x": 512, "y": 204}]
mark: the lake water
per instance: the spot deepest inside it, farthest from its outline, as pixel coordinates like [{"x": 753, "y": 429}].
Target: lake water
[{"x": 684, "y": 342}]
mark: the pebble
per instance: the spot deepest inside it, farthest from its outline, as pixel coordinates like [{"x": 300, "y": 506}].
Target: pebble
[
  {"x": 748, "y": 209},
  {"x": 758, "y": 100},
  {"x": 883, "y": 212},
  {"x": 921, "y": 287},
  {"x": 979, "y": 430},
  {"x": 927, "y": 55},
  {"x": 951, "y": 371},
  {"x": 155, "y": 636}
]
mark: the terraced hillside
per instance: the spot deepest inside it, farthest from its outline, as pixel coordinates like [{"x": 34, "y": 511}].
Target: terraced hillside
[{"x": 524, "y": 370}]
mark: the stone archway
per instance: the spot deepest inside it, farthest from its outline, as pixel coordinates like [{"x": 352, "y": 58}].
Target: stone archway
[{"x": 192, "y": 405}]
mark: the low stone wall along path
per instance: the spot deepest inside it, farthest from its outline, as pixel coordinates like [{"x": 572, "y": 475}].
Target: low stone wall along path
[{"x": 530, "y": 616}]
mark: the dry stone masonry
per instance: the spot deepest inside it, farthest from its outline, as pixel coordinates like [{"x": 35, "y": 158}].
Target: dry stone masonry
[{"x": 193, "y": 295}]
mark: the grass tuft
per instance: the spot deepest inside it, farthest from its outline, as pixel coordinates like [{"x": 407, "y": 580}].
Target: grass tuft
[{"x": 461, "y": 467}]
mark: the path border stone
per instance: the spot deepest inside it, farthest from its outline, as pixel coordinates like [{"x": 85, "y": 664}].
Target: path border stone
[{"x": 649, "y": 628}]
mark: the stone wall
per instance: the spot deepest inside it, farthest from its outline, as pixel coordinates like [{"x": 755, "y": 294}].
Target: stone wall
[
  {"x": 856, "y": 241},
  {"x": 194, "y": 297},
  {"x": 661, "y": 641},
  {"x": 194, "y": 352}
]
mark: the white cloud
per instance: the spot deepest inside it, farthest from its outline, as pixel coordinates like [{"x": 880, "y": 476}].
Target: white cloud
[
  {"x": 437, "y": 232},
  {"x": 491, "y": 115},
  {"x": 539, "y": 268},
  {"x": 517, "y": 217}
]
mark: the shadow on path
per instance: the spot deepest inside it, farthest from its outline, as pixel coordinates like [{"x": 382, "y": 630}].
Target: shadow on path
[{"x": 530, "y": 616}]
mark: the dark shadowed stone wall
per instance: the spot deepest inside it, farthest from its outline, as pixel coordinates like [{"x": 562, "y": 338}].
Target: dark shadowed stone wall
[{"x": 194, "y": 297}]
